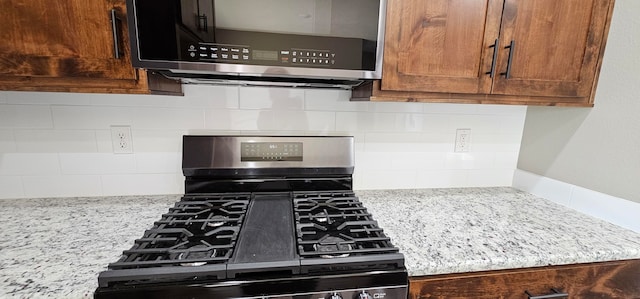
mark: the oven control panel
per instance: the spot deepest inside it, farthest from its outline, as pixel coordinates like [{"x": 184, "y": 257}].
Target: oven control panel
[
  {"x": 398, "y": 292},
  {"x": 270, "y": 151}
]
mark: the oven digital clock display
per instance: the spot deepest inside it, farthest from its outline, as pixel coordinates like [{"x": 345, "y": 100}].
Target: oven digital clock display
[{"x": 270, "y": 151}]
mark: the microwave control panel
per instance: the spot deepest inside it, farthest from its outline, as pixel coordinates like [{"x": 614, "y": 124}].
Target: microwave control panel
[
  {"x": 220, "y": 52},
  {"x": 310, "y": 57},
  {"x": 245, "y": 54}
]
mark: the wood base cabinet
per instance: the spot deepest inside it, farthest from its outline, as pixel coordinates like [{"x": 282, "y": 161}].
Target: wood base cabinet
[
  {"x": 549, "y": 49},
  {"x": 73, "y": 46},
  {"x": 618, "y": 279}
]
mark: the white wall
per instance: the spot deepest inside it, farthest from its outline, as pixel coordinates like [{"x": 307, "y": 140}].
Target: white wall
[
  {"x": 58, "y": 144},
  {"x": 595, "y": 148}
]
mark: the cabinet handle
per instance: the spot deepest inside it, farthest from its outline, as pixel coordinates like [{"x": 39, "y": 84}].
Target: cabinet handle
[
  {"x": 115, "y": 29},
  {"x": 511, "y": 48},
  {"x": 556, "y": 294},
  {"x": 492, "y": 72}
]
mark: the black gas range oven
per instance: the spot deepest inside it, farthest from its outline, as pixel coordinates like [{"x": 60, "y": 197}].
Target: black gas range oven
[{"x": 262, "y": 217}]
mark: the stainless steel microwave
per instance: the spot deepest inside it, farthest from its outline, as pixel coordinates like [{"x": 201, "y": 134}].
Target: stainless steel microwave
[{"x": 283, "y": 40}]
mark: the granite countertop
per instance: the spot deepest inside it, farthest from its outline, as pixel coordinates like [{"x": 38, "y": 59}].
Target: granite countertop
[
  {"x": 55, "y": 248},
  {"x": 475, "y": 229}
]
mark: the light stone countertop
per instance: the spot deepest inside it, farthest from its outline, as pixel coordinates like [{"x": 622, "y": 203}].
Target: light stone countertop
[
  {"x": 443, "y": 231},
  {"x": 55, "y": 248}
]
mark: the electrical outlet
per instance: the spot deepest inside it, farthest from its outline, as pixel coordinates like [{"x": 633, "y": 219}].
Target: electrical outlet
[
  {"x": 121, "y": 139},
  {"x": 463, "y": 140}
]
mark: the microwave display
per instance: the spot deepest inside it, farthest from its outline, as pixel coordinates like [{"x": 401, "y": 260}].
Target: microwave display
[
  {"x": 318, "y": 34},
  {"x": 265, "y": 55}
]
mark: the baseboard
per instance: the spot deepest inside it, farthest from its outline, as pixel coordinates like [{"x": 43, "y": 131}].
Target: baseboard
[{"x": 619, "y": 211}]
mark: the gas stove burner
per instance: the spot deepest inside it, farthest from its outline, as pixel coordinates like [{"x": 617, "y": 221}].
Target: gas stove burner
[
  {"x": 330, "y": 245},
  {"x": 322, "y": 216},
  {"x": 196, "y": 252},
  {"x": 254, "y": 226},
  {"x": 217, "y": 221}
]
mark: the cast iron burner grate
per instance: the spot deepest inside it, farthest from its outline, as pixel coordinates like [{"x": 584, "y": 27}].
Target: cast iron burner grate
[
  {"x": 198, "y": 230},
  {"x": 333, "y": 225}
]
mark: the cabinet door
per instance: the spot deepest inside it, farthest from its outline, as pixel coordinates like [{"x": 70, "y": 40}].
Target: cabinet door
[
  {"x": 64, "y": 43},
  {"x": 617, "y": 279},
  {"x": 557, "y": 46},
  {"x": 440, "y": 45}
]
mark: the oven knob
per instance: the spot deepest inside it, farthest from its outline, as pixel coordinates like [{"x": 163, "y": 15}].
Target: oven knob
[
  {"x": 335, "y": 296},
  {"x": 363, "y": 295}
]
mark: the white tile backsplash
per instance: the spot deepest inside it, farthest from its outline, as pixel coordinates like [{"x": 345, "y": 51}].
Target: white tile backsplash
[
  {"x": 104, "y": 143},
  {"x": 209, "y": 96},
  {"x": 220, "y": 120},
  {"x": 96, "y": 117},
  {"x": 445, "y": 178},
  {"x": 7, "y": 142},
  {"x": 51, "y": 143},
  {"x": 167, "y": 118},
  {"x": 205, "y": 96},
  {"x": 25, "y": 116},
  {"x": 148, "y": 140},
  {"x": 449, "y": 109},
  {"x": 358, "y": 122},
  {"x": 511, "y": 125},
  {"x": 507, "y": 110},
  {"x": 495, "y": 142},
  {"x": 374, "y": 161},
  {"x": 332, "y": 100},
  {"x": 319, "y": 121},
  {"x": 489, "y": 177},
  {"x": 11, "y": 187},
  {"x": 56, "y": 141},
  {"x": 16, "y": 164},
  {"x": 506, "y": 160},
  {"x": 72, "y": 99},
  {"x": 169, "y": 162},
  {"x": 271, "y": 98},
  {"x": 469, "y": 160},
  {"x": 388, "y": 107},
  {"x": 62, "y": 186},
  {"x": 385, "y": 179},
  {"x": 409, "y": 122},
  {"x": 270, "y": 120},
  {"x": 379, "y": 122},
  {"x": 479, "y": 124},
  {"x": 418, "y": 160},
  {"x": 90, "y": 117},
  {"x": 401, "y": 142},
  {"x": 141, "y": 184},
  {"x": 97, "y": 163},
  {"x": 438, "y": 124}
]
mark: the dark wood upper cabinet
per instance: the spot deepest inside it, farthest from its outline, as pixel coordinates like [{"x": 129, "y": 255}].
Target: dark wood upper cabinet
[
  {"x": 460, "y": 51},
  {"x": 71, "y": 45},
  {"x": 438, "y": 45},
  {"x": 557, "y": 46}
]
